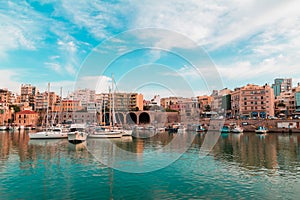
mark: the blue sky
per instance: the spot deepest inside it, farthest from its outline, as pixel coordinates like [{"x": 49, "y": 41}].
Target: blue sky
[{"x": 174, "y": 47}]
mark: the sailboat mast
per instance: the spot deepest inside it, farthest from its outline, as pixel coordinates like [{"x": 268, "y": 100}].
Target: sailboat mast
[
  {"x": 113, "y": 100},
  {"x": 47, "y": 110},
  {"x": 60, "y": 107},
  {"x": 110, "y": 108}
]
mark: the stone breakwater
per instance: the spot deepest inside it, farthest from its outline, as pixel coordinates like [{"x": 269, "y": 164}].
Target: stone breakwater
[{"x": 273, "y": 125}]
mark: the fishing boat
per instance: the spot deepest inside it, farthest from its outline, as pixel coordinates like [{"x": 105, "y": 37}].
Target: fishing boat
[
  {"x": 51, "y": 133},
  {"x": 225, "y": 129},
  {"x": 77, "y": 133},
  {"x": 237, "y": 129},
  {"x": 261, "y": 130}
]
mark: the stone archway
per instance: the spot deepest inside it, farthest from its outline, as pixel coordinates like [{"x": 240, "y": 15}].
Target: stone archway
[
  {"x": 131, "y": 118},
  {"x": 144, "y": 118},
  {"x": 119, "y": 118}
]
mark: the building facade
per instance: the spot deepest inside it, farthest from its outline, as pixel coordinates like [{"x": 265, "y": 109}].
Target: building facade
[
  {"x": 253, "y": 101},
  {"x": 26, "y": 118},
  {"x": 281, "y": 85}
]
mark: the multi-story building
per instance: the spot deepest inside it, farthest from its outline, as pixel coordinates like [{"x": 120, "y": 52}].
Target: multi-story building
[
  {"x": 281, "y": 85},
  {"x": 28, "y": 93},
  {"x": 70, "y": 105},
  {"x": 253, "y": 101},
  {"x": 168, "y": 101},
  {"x": 5, "y": 96},
  {"x": 285, "y": 104},
  {"x": 26, "y": 118},
  {"x": 85, "y": 96},
  {"x": 122, "y": 101},
  {"x": 187, "y": 107},
  {"x": 204, "y": 103},
  {"x": 217, "y": 100}
]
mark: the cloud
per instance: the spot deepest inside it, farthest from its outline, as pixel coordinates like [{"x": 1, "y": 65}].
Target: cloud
[
  {"x": 54, "y": 66},
  {"x": 9, "y": 80}
]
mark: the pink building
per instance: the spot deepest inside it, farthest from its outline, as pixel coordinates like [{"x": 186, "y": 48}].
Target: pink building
[{"x": 253, "y": 101}]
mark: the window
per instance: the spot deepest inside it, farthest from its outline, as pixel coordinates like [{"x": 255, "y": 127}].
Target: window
[{"x": 245, "y": 103}]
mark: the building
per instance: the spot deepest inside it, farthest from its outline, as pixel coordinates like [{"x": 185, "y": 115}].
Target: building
[
  {"x": 253, "y": 101},
  {"x": 217, "y": 100},
  {"x": 85, "y": 96},
  {"x": 204, "y": 103},
  {"x": 123, "y": 102},
  {"x": 70, "y": 106},
  {"x": 28, "y": 93},
  {"x": 285, "y": 104},
  {"x": 26, "y": 118},
  {"x": 5, "y": 96},
  {"x": 168, "y": 101},
  {"x": 281, "y": 85}
]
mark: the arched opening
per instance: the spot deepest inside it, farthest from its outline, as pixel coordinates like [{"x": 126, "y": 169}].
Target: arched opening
[
  {"x": 119, "y": 118},
  {"x": 106, "y": 119},
  {"x": 131, "y": 118},
  {"x": 144, "y": 118}
]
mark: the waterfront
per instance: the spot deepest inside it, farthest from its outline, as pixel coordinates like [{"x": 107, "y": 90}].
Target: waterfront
[{"x": 240, "y": 166}]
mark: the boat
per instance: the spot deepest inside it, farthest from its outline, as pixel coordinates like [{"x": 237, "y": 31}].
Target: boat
[
  {"x": 77, "y": 133},
  {"x": 105, "y": 132},
  {"x": 181, "y": 129},
  {"x": 237, "y": 129},
  {"x": 51, "y": 133},
  {"x": 225, "y": 129},
  {"x": 3, "y": 128},
  {"x": 261, "y": 130}
]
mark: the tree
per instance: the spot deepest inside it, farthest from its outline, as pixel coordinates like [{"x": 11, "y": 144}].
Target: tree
[{"x": 207, "y": 108}]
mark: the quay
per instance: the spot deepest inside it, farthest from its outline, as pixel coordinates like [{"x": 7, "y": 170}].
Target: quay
[{"x": 273, "y": 125}]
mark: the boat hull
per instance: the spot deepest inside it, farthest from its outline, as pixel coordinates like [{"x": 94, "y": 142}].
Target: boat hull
[
  {"x": 48, "y": 135},
  {"x": 76, "y": 137}
]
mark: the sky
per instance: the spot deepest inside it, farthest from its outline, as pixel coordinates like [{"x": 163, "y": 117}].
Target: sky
[{"x": 172, "y": 48}]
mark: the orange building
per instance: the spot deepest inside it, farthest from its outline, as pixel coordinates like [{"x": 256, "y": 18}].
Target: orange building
[
  {"x": 70, "y": 105},
  {"x": 26, "y": 118}
]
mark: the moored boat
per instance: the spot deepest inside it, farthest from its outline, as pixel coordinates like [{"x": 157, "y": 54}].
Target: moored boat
[
  {"x": 3, "y": 128},
  {"x": 261, "y": 130},
  {"x": 237, "y": 129},
  {"x": 225, "y": 129},
  {"x": 77, "y": 133},
  {"x": 52, "y": 133}
]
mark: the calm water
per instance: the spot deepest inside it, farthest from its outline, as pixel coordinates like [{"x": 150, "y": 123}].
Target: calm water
[{"x": 243, "y": 166}]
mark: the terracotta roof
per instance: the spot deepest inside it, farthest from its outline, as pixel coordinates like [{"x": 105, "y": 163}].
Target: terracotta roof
[{"x": 26, "y": 112}]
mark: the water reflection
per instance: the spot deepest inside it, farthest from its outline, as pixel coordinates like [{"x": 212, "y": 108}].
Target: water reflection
[{"x": 249, "y": 150}]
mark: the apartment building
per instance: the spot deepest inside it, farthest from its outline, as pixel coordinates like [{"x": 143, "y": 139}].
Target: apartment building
[
  {"x": 28, "y": 93},
  {"x": 253, "y": 101}
]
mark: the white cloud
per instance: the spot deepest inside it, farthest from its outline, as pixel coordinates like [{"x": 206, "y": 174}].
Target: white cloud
[
  {"x": 9, "y": 80},
  {"x": 54, "y": 66}
]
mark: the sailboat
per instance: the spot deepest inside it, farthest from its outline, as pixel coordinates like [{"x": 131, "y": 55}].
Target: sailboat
[
  {"x": 50, "y": 132},
  {"x": 111, "y": 131}
]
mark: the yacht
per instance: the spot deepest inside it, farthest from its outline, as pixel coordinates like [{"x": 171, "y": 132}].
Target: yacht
[
  {"x": 77, "y": 133},
  {"x": 261, "y": 130},
  {"x": 51, "y": 133}
]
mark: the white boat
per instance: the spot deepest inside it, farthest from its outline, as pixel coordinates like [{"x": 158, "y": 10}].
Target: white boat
[
  {"x": 237, "y": 129},
  {"x": 106, "y": 132},
  {"x": 261, "y": 130},
  {"x": 181, "y": 129},
  {"x": 77, "y": 133},
  {"x": 53, "y": 133},
  {"x": 3, "y": 128}
]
